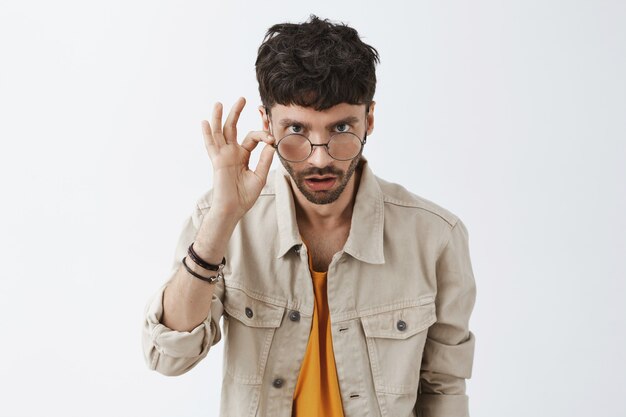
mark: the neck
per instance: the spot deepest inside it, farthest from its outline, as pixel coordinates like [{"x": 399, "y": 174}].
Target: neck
[{"x": 327, "y": 216}]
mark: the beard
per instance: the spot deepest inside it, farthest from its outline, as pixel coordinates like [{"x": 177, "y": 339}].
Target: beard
[{"x": 323, "y": 197}]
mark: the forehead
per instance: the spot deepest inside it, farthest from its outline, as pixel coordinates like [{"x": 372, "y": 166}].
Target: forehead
[{"x": 309, "y": 114}]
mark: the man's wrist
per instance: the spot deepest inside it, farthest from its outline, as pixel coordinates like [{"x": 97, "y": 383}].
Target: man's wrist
[
  {"x": 213, "y": 237},
  {"x": 222, "y": 219}
]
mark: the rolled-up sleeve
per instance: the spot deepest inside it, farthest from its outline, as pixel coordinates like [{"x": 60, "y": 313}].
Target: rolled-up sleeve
[
  {"x": 449, "y": 351},
  {"x": 171, "y": 352}
]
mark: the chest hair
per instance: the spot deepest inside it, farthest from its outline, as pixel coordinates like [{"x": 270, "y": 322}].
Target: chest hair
[{"x": 323, "y": 246}]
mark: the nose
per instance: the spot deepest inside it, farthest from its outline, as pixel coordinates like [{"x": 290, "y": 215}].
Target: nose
[{"x": 320, "y": 157}]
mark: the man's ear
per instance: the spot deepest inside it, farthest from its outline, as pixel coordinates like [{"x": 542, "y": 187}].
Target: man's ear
[
  {"x": 370, "y": 118},
  {"x": 264, "y": 117}
]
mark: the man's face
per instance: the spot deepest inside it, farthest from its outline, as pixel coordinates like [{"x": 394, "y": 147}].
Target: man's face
[{"x": 320, "y": 178}]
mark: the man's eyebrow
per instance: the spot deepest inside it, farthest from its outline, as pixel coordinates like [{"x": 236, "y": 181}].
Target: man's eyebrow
[
  {"x": 347, "y": 120},
  {"x": 350, "y": 120},
  {"x": 290, "y": 122}
]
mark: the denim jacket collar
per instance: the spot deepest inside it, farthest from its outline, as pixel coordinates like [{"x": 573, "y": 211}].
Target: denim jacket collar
[{"x": 365, "y": 241}]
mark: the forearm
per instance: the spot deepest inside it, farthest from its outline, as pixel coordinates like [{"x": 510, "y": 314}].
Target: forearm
[
  {"x": 448, "y": 355},
  {"x": 187, "y": 299}
]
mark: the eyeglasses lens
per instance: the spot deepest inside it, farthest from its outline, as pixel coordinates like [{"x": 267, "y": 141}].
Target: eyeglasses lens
[{"x": 342, "y": 146}]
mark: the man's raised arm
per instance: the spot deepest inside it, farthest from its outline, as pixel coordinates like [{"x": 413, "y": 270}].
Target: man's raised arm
[{"x": 182, "y": 317}]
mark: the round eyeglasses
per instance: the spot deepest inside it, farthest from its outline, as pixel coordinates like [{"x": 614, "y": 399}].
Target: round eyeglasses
[{"x": 342, "y": 146}]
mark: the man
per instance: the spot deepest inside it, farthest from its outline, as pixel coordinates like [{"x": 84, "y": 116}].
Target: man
[{"x": 342, "y": 294}]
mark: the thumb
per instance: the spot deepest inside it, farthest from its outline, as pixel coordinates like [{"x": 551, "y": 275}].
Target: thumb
[{"x": 265, "y": 161}]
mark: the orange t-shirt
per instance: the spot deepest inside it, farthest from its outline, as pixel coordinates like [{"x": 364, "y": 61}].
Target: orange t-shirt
[{"x": 317, "y": 390}]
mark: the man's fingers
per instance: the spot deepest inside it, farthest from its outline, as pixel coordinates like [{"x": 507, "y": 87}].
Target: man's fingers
[
  {"x": 265, "y": 161},
  {"x": 209, "y": 143},
  {"x": 253, "y": 138},
  {"x": 216, "y": 124},
  {"x": 230, "y": 126}
]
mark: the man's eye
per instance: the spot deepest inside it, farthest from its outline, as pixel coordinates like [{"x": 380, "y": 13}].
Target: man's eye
[
  {"x": 342, "y": 127},
  {"x": 295, "y": 129}
]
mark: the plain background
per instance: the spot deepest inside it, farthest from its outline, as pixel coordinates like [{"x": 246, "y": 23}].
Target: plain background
[{"x": 509, "y": 114}]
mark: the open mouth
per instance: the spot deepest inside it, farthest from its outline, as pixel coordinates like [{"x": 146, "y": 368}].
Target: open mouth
[{"x": 320, "y": 183}]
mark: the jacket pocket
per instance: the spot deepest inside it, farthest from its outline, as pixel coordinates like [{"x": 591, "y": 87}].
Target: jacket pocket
[
  {"x": 249, "y": 326},
  {"x": 395, "y": 341}
]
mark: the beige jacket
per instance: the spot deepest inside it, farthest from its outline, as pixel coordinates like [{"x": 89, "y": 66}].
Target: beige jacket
[{"x": 400, "y": 296}]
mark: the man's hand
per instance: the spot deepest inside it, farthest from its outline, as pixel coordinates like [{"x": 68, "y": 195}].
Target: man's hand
[
  {"x": 187, "y": 300},
  {"x": 235, "y": 186}
]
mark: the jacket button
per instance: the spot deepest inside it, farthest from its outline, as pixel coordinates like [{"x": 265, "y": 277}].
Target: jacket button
[
  {"x": 277, "y": 383},
  {"x": 401, "y": 325},
  {"x": 249, "y": 312},
  {"x": 294, "y": 316}
]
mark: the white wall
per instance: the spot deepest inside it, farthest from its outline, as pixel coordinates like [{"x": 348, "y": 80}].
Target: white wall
[{"x": 510, "y": 114}]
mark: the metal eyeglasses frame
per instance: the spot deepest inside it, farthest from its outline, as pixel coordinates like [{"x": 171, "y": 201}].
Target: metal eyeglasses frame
[{"x": 313, "y": 145}]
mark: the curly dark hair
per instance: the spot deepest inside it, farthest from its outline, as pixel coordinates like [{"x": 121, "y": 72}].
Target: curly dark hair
[{"x": 315, "y": 64}]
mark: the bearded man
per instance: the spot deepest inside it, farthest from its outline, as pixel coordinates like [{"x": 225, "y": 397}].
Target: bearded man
[{"x": 341, "y": 294}]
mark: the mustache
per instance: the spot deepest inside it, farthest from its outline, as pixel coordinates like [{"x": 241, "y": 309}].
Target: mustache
[{"x": 327, "y": 170}]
